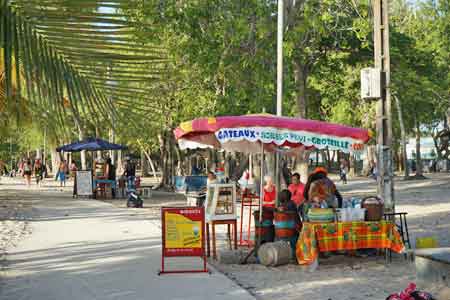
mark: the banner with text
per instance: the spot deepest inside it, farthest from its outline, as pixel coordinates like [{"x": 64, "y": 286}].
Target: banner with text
[{"x": 281, "y": 136}]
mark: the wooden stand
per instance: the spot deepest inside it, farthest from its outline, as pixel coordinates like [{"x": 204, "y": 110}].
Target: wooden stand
[{"x": 213, "y": 223}]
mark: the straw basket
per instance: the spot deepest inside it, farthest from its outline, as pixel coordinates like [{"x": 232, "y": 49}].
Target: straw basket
[{"x": 374, "y": 208}]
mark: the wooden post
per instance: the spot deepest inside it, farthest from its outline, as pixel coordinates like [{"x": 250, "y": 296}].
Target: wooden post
[{"x": 385, "y": 187}]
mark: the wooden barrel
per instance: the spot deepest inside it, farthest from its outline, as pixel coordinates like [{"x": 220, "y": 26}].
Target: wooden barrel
[
  {"x": 274, "y": 254},
  {"x": 264, "y": 231},
  {"x": 267, "y": 216},
  {"x": 285, "y": 225}
]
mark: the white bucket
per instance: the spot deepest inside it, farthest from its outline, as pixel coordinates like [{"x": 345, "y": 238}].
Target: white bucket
[
  {"x": 350, "y": 214},
  {"x": 346, "y": 214},
  {"x": 358, "y": 214}
]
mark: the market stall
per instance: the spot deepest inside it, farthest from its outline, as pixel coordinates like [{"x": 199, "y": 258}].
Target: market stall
[
  {"x": 267, "y": 133},
  {"x": 97, "y": 181},
  {"x": 338, "y": 236}
]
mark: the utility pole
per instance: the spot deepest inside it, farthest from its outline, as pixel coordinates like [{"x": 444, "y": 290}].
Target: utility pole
[
  {"x": 385, "y": 183},
  {"x": 280, "y": 57},
  {"x": 280, "y": 28}
]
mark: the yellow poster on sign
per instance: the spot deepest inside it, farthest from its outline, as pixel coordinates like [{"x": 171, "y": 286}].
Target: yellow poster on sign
[{"x": 182, "y": 232}]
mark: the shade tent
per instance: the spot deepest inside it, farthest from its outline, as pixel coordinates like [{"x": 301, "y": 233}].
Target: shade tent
[
  {"x": 90, "y": 144},
  {"x": 248, "y": 132}
]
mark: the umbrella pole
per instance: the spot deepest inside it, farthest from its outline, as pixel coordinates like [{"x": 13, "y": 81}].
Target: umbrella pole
[
  {"x": 261, "y": 191},
  {"x": 261, "y": 194}
]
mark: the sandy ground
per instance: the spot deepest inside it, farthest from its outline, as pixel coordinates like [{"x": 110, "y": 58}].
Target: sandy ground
[
  {"x": 339, "y": 277},
  {"x": 15, "y": 213},
  {"x": 86, "y": 249},
  {"x": 427, "y": 203}
]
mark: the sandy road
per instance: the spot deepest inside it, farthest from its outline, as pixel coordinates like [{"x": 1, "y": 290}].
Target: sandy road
[{"x": 86, "y": 249}]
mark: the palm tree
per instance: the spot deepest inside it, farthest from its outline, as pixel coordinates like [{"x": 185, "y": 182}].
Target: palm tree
[{"x": 79, "y": 60}]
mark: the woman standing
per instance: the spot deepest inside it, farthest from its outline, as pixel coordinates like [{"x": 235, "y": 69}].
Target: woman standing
[
  {"x": 110, "y": 173},
  {"x": 270, "y": 192},
  {"x": 343, "y": 171},
  {"x": 73, "y": 169},
  {"x": 62, "y": 173},
  {"x": 27, "y": 168},
  {"x": 38, "y": 171}
]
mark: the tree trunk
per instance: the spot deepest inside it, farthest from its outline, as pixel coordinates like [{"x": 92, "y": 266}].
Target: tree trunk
[
  {"x": 300, "y": 79},
  {"x": 171, "y": 146},
  {"x": 403, "y": 137},
  {"x": 447, "y": 120},
  {"x": 301, "y": 165},
  {"x": 97, "y": 135},
  {"x": 419, "y": 169},
  {"x": 399, "y": 154},
  {"x": 333, "y": 157},
  {"x": 270, "y": 163},
  {"x": 329, "y": 158},
  {"x": 149, "y": 160},
  {"x": 144, "y": 164},
  {"x": 352, "y": 166},
  {"x": 325, "y": 158},
  {"x": 317, "y": 158},
  {"x": 163, "y": 159},
  {"x": 180, "y": 169},
  {"x": 82, "y": 153},
  {"x": 56, "y": 160},
  {"x": 78, "y": 124},
  {"x": 119, "y": 168},
  {"x": 211, "y": 160},
  {"x": 369, "y": 161}
]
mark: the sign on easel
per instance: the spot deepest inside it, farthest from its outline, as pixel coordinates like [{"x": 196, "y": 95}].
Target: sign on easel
[
  {"x": 183, "y": 235},
  {"x": 84, "y": 183}
]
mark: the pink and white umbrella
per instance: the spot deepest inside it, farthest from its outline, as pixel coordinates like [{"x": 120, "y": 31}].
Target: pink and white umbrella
[
  {"x": 248, "y": 132},
  {"x": 265, "y": 132}
]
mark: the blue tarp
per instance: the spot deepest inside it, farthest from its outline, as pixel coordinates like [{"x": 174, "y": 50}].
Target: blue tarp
[
  {"x": 189, "y": 183},
  {"x": 90, "y": 144}
]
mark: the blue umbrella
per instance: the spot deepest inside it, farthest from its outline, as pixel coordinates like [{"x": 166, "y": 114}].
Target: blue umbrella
[{"x": 90, "y": 144}]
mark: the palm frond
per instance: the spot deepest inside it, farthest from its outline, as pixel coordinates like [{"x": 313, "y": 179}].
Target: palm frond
[{"x": 77, "y": 57}]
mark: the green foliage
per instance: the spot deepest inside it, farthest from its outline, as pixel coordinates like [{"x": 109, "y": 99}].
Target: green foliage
[{"x": 143, "y": 67}]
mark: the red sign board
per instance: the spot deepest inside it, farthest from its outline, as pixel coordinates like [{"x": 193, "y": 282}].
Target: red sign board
[{"x": 183, "y": 234}]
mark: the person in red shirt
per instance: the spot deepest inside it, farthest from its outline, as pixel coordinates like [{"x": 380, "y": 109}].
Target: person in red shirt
[
  {"x": 296, "y": 188},
  {"x": 270, "y": 192}
]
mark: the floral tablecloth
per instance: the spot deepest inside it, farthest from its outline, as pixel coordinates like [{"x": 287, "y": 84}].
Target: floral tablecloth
[{"x": 322, "y": 237}]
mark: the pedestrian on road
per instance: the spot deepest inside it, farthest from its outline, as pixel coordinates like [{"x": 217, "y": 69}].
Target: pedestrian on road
[
  {"x": 38, "y": 171},
  {"x": 61, "y": 175},
  {"x": 73, "y": 169},
  {"x": 110, "y": 172},
  {"x": 343, "y": 171},
  {"x": 27, "y": 170},
  {"x": 130, "y": 172},
  {"x": 20, "y": 167}
]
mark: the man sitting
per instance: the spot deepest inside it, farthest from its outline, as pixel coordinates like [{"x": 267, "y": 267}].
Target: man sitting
[{"x": 289, "y": 206}]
